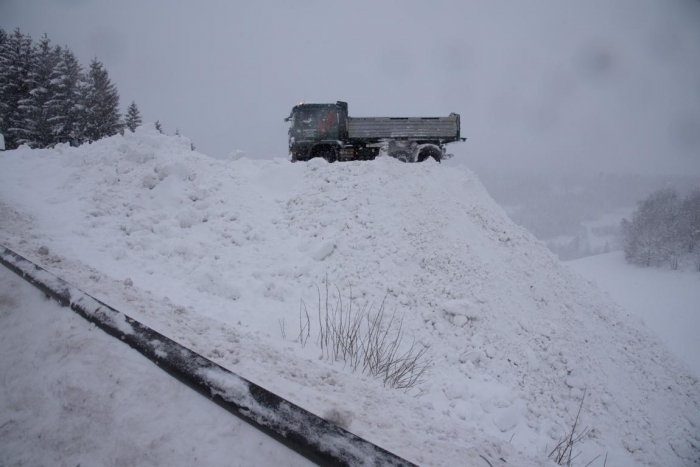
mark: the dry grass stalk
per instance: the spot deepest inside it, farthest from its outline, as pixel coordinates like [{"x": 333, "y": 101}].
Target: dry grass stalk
[{"x": 364, "y": 340}]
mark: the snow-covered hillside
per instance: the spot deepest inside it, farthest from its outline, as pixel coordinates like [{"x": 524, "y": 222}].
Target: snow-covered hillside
[
  {"x": 668, "y": 301},
  {"x": 219, "y": 254}
]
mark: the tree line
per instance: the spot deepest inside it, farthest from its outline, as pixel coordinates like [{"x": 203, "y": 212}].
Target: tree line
[
  {"x": 47, "y": 97},
  {"x": 665, "y": 229}
]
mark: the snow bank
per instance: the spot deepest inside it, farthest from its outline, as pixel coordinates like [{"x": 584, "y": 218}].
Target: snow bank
[{"x": 218, "y": 255}]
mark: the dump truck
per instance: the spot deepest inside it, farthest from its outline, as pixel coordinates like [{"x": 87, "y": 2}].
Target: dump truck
[{"x": 327, "y": 131}]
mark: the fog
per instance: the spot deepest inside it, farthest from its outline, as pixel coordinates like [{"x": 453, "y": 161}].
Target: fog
[{"x": 591, "y": 86}]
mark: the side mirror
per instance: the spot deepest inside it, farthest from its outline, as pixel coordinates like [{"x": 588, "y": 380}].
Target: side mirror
[{"x": 287, "y": 119}]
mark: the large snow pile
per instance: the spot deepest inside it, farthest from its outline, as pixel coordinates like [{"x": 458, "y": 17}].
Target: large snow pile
[{"x": 219, "y": 254}]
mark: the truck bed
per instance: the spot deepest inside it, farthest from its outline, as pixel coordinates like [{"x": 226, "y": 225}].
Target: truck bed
[{"x": 430, "y": 128}]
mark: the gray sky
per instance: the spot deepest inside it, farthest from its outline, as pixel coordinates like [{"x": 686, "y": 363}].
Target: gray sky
[{"x": 583, "y": 85}]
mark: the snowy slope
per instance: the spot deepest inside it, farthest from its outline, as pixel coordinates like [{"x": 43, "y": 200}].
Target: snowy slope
[
  {"x": 219, "y": 254},
  {"x": 668, "y": 301}
]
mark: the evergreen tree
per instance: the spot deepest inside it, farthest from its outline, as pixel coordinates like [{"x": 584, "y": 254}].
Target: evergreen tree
[
  {"x": 16, "y": 59},
  {"x": 133, "y": 117},
  {"x": 41, "y": 105},
  {"x": 3, "y": 80},
  {"x": 159, "y": 127},
  {"x": 45, "y": 98},
  {"x": 68, "y": 80},
  {"x": 101, "y": 104}
]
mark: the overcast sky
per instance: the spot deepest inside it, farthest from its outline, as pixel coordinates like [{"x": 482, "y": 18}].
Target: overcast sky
[{"x": 598, "y": 85}]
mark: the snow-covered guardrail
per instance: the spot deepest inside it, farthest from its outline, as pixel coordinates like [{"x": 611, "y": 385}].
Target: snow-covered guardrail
[{"x": 317, "y": 439}]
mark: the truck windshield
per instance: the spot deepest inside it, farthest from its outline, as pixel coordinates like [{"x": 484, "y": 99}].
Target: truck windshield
[
  {"x": 317, "y": 123},
  {"x": 306, "y": 118}
]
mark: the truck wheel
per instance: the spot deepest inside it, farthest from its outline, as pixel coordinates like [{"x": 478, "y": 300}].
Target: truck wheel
[
  {"x": 403, "y": 156},
  {"x": 429, "y": 151},
  {"x": 331, "y": 155},
  {"x": 328, "y": 152}
]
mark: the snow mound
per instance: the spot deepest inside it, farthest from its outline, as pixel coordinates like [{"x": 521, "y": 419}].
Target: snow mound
[{"x": 220, "y": 253}]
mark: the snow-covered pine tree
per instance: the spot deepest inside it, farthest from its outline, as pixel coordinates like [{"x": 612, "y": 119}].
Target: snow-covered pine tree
[
  {"x": 133, "y": 117},
  {"x": 67, "y": 81},
  {"x": 102, "y": 104},
  {"x": 40, "y": 106},
  {"x": 159, "y": 127},
  {"x": 3, "y": 103},
  {"x": 15, "y": 67},
  {"x": 71, "y": 86}
]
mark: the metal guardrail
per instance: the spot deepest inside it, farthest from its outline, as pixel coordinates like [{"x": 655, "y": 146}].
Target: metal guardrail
[{"x": 311, "y": 436}]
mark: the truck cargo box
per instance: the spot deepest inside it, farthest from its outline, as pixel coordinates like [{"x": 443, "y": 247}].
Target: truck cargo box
[{"x": 417, "y": 128}]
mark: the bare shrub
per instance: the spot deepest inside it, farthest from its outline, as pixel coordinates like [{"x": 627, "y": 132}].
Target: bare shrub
[
  {"x": 562, "y": 453},
  {"x": 365, "y": 339}
]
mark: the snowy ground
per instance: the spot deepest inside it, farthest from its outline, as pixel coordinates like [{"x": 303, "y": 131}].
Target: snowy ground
[
  {"x": 72, "y": 395},
  {"x": 668, "y": 301},
  {"x": 219, "y": 254}
]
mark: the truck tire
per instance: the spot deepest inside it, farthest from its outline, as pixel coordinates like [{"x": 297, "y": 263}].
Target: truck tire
[
  {"x": 326, "y": 151},
  {"x": 428, "y": 152},
  {"x": 331, "y": 155},
  {"x": 403, "y": 156}
]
